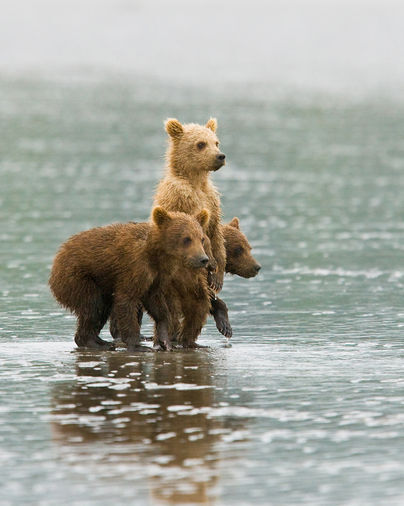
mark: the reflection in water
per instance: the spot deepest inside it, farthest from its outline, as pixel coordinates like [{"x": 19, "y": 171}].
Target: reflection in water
[{"x": 145, "y": 410}]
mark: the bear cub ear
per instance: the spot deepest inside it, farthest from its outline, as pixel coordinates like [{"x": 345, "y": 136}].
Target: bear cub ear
[
  {"x": 203, "y": 218},
  {"x": 160, "y": 216},
  {"x": 212, "y": 124},
  {"x": 235, "y": 223},
  {"x": 174, "y": 128}
]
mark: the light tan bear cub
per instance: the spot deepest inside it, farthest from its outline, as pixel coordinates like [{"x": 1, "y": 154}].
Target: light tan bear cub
[{"x": 193, "y": 153}]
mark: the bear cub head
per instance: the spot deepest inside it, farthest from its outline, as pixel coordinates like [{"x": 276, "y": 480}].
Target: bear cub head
[
  {"x": 193, "y": 148},
  {"x": 182, "y": 236},
  {"x": 239, "y": 260}
]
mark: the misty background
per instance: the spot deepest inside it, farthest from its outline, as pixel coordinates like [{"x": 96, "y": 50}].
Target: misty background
[{"x": 328, "y": 45}]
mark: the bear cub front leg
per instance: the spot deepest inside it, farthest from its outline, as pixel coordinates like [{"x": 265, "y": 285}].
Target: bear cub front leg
[{"x": 220, "y": 313}]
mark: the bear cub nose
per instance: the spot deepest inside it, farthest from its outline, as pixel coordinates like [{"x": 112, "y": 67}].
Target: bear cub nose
[
  {"x": 221, "y": 156},
  {"x": 258, "y": 267},
  {"x": 204, "y": 260}
]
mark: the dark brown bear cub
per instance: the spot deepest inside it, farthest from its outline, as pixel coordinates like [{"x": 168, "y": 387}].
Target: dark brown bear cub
[
  {"x": 238, "y": 251},
  {"x": 113, "y": 270},
  {"x": 191, "y": 297},
  {"x": 239, "y": 261}
]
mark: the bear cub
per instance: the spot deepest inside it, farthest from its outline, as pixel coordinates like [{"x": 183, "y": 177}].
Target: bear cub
[
  {"x": 239, "y": 261},
  {"x": 193, "y": 153},
  {"x": 112, "y": 272}
]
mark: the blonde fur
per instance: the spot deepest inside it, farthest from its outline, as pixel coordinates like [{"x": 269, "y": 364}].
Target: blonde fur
[
  {"x": 186, "y": 186},
  {"x": 212, "y": 124},
  {"x": 174, "y": 128}
]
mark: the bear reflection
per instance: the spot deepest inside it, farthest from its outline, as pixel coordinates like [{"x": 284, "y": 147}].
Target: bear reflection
[{"x": 144, "y": 404}]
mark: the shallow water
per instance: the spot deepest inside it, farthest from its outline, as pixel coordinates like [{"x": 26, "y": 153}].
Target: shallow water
[{"x": 306, "y": 407}]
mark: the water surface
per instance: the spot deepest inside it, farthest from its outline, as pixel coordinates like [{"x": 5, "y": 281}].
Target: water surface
[{"x": 306, "y": 407}]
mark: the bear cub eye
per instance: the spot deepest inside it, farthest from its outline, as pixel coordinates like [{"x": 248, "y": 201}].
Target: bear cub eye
[
  {"x": 238, "y": 251},
  {"x": 201, "y": 145},
  {"x": 187, "y": 241}
]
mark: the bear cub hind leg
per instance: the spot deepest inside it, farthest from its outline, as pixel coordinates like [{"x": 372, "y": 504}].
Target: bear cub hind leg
[
  {"x": 91, "y": 321},
  {"x": 125, "y": 315}
]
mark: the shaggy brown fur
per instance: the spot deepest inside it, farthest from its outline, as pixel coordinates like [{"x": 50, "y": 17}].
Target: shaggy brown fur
[
  {"x": 238, "y": 251},
  {"x": 113, "y": 270},
  {"x": 192, "y": 154},
  {"x": 192, "y": 291},
  {"x": 239, "y": 261},
  {"x": 142, "y": 231},
  {"x": 188, "y": 299}
]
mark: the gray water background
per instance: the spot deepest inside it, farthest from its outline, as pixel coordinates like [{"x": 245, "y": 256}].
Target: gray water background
[{"x": 306, "y": 407}]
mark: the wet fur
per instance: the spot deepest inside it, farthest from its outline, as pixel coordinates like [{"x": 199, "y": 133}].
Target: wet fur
[
  {"x": 239, "y": 261},
  {"x": 113, "y": 271}
]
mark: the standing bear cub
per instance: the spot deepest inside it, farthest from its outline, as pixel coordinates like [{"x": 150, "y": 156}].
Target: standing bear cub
[
  {"x": 193, "y": 153},
  {"x": 113, "y": 271}
]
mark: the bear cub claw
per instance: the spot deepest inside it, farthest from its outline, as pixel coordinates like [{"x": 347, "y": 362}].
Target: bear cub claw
[
  {"x": 220, "y": 314},
  {"x": 194, "y": 346},
  {"x": 163, "y": 346},
  {"x": 132, "y": 348},
  {"x": 96, "y": 343},
  {"x": 224, "y": 327},
  {"x": 215, "y": 282}
]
